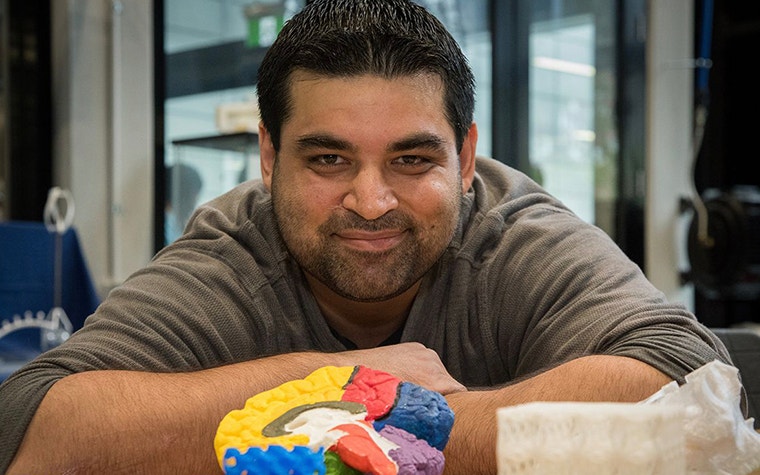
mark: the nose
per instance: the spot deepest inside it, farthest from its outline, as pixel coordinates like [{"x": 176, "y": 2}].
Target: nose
[{"x": 370, "y": 196}]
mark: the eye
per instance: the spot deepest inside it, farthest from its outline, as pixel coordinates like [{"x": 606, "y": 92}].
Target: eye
[
  {"x": 327, "y": 160},
  {"x": 413, "y": 164},
  {"x": 411, "y": 160}
]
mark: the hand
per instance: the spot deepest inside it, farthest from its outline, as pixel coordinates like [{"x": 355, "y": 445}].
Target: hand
[{"x": 411, "y": 362}]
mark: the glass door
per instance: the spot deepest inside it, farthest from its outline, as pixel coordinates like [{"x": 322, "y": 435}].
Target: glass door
[
  {"x": 210, "y": 53},
  {"x": 563, "y": 69},
  {"x": 469, "y": 23},
  {"x": 571, "y": 89}
]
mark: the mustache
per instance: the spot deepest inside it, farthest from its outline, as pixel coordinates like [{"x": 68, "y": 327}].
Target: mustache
[{"x": 349, "y": 220}]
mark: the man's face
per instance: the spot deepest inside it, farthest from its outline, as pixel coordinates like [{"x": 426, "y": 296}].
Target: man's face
[{"x": 367, "y": 184}]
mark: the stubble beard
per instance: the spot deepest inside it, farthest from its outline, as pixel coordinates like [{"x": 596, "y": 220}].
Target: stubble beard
[{"x": 365, "y": 276}]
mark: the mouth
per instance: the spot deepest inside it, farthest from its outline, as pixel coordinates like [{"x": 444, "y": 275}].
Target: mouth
[{"x": 371, "y": 241}]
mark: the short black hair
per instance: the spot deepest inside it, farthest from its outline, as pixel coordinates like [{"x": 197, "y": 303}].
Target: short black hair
[{"x": 344, "y": 38}]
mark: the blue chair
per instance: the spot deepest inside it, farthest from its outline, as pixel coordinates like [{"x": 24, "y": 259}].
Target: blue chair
[{"x": 27, "y": 287}]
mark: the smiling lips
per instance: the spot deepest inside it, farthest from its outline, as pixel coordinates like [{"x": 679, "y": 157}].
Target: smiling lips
[{"x": 371, "y": 241}]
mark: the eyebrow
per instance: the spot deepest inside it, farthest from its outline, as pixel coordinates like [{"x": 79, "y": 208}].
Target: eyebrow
[
  {"x": 313, "y": 141},
  {"x": 422, "y": 140}
]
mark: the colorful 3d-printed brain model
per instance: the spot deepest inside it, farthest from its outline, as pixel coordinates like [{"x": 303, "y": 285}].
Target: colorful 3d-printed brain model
[{"x": 336, "y": 421}]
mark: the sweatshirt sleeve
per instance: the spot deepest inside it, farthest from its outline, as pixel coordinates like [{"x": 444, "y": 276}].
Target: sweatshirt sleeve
[{"x": 573, "y": 292}]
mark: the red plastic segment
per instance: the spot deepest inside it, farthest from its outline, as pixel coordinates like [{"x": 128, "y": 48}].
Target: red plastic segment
[{"x": 377, "y": 390}]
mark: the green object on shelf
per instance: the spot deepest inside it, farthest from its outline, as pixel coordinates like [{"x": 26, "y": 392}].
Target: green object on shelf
[
  {"x": 262, "y": 31},
  {"x": 265, "y": 20}
]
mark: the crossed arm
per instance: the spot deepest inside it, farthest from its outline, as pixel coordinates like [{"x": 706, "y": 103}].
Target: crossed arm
[{"x": 130, "y": 422}]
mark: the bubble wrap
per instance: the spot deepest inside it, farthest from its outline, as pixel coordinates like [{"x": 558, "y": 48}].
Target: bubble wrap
[
  {"x": 590, "y": 438},
  {"x": 718, "y": 438}
]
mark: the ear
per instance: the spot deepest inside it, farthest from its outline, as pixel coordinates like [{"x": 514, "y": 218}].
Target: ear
[
  {"x": 267, "y": 156},
  {"x": 467, "y": 157}
]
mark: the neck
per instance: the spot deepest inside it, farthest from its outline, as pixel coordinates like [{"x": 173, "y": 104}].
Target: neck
[{"x": 367, "y": 324}]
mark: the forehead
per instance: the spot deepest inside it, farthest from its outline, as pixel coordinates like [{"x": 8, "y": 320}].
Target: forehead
[{"x": 317, "y": 99}]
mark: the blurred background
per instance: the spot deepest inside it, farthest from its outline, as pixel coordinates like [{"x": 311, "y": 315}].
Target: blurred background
[{"x": 637, "y": 114}]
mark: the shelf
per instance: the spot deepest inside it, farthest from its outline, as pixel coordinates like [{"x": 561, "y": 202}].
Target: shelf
[{"x": 242, "y": 142}]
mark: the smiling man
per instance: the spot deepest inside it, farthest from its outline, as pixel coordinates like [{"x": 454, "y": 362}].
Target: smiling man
[
  {"x": 376, "y": 237},
  {"x": 367, "y": 197}
]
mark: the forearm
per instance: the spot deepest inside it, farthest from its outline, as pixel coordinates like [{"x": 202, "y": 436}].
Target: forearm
[
  {"x": 472, "y": 446},
  {"x": 136, "y": 422}
]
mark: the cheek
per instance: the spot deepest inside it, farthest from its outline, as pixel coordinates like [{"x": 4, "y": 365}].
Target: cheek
[
  {"x": 319, "y": 198},
  {"x": 303, "y": 203},
  {"x": 436, "y": 204}
]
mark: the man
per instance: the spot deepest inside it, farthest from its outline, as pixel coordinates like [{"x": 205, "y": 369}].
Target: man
[{"x": 376, "y": 237}]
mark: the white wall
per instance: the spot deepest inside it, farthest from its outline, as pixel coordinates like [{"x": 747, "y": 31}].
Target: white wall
[
  {"x": 670, "y": 76},
  {"x": 103, "y": 122}
]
